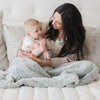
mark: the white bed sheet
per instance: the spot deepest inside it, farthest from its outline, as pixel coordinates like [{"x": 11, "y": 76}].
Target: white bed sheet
[{"x": 87, "y": 92}]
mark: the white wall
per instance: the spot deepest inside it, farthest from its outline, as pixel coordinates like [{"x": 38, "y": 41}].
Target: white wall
[{"x": 20, "y": 10}]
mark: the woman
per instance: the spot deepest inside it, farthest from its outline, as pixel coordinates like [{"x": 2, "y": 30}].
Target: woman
[
  {"x": 66, "y": 25},
  {"x": 65, "y": 39}
]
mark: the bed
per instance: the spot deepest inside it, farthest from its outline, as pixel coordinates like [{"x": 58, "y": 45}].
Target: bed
[
  {"x": 87, "y": 92},
  {"x": 12, "y": 16}
]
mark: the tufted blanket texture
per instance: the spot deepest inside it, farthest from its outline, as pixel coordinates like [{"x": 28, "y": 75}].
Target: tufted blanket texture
[{"x": 26, "y": 72}]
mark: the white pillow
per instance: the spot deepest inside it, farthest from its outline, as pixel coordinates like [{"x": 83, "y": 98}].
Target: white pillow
[
  {"x": 13, "y": 38},
  {"x": 3, "y": 51},
  {"x": 92, "y": 45}
]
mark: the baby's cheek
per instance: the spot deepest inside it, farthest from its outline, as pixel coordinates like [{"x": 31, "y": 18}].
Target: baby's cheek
[{"x": 34, "y": 34}]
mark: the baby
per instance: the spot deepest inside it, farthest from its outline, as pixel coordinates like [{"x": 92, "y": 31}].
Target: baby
[
  {"x": 33, "y": 40},
  {"x": 34, "y": 43}
]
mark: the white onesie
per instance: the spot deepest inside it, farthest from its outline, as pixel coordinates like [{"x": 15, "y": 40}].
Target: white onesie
[{"x": 28, "y": 41}]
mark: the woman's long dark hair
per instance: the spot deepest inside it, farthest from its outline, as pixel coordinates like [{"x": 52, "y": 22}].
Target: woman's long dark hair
[{"x": 73, "y": 30}]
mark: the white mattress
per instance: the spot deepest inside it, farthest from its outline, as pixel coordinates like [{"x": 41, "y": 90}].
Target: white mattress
[{"x": 87, "y": 92}]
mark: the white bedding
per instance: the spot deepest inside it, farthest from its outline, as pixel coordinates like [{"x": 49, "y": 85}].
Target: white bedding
[{"x": 87, "y": 92}]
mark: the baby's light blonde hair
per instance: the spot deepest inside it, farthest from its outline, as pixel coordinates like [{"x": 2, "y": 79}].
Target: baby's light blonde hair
[{"x": 30, "y": 23}]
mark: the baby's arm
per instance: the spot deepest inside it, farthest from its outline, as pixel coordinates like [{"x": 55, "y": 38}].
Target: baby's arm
[
  {"x": 43, "y": 46},
  {"x": 37, "y": 49}
]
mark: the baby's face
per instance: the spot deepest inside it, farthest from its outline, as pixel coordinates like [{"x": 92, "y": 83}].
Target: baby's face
[{"x": 36, "y": 31}]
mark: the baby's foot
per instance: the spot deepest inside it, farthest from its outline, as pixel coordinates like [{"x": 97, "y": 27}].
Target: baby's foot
[{"x": 46, "y": 55}]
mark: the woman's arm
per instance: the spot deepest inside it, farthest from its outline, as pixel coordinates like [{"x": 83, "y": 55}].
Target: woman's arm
[
  {"x": 61, "y": 60},
  {"x": 41, "y": 62},
  {"x": 49, "y": 62}
]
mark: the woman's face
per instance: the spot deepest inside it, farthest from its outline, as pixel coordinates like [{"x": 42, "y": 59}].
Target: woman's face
[{"x": 57, "y": 21}]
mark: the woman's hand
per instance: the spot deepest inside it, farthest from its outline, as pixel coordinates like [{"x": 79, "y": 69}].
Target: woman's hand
[
  {"x": 20, "y": 53},
  {"x": 29, "y": 54}
]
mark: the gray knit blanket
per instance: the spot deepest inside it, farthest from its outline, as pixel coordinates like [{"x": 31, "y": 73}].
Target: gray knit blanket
[{"x": 26, "y": 72}]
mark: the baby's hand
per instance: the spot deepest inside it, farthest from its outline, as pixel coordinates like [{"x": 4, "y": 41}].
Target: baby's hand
[
  {"x": 42, "y": 44},
  {"x": 46, "y": 55},
  {"x": 42, "y": 41}
]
